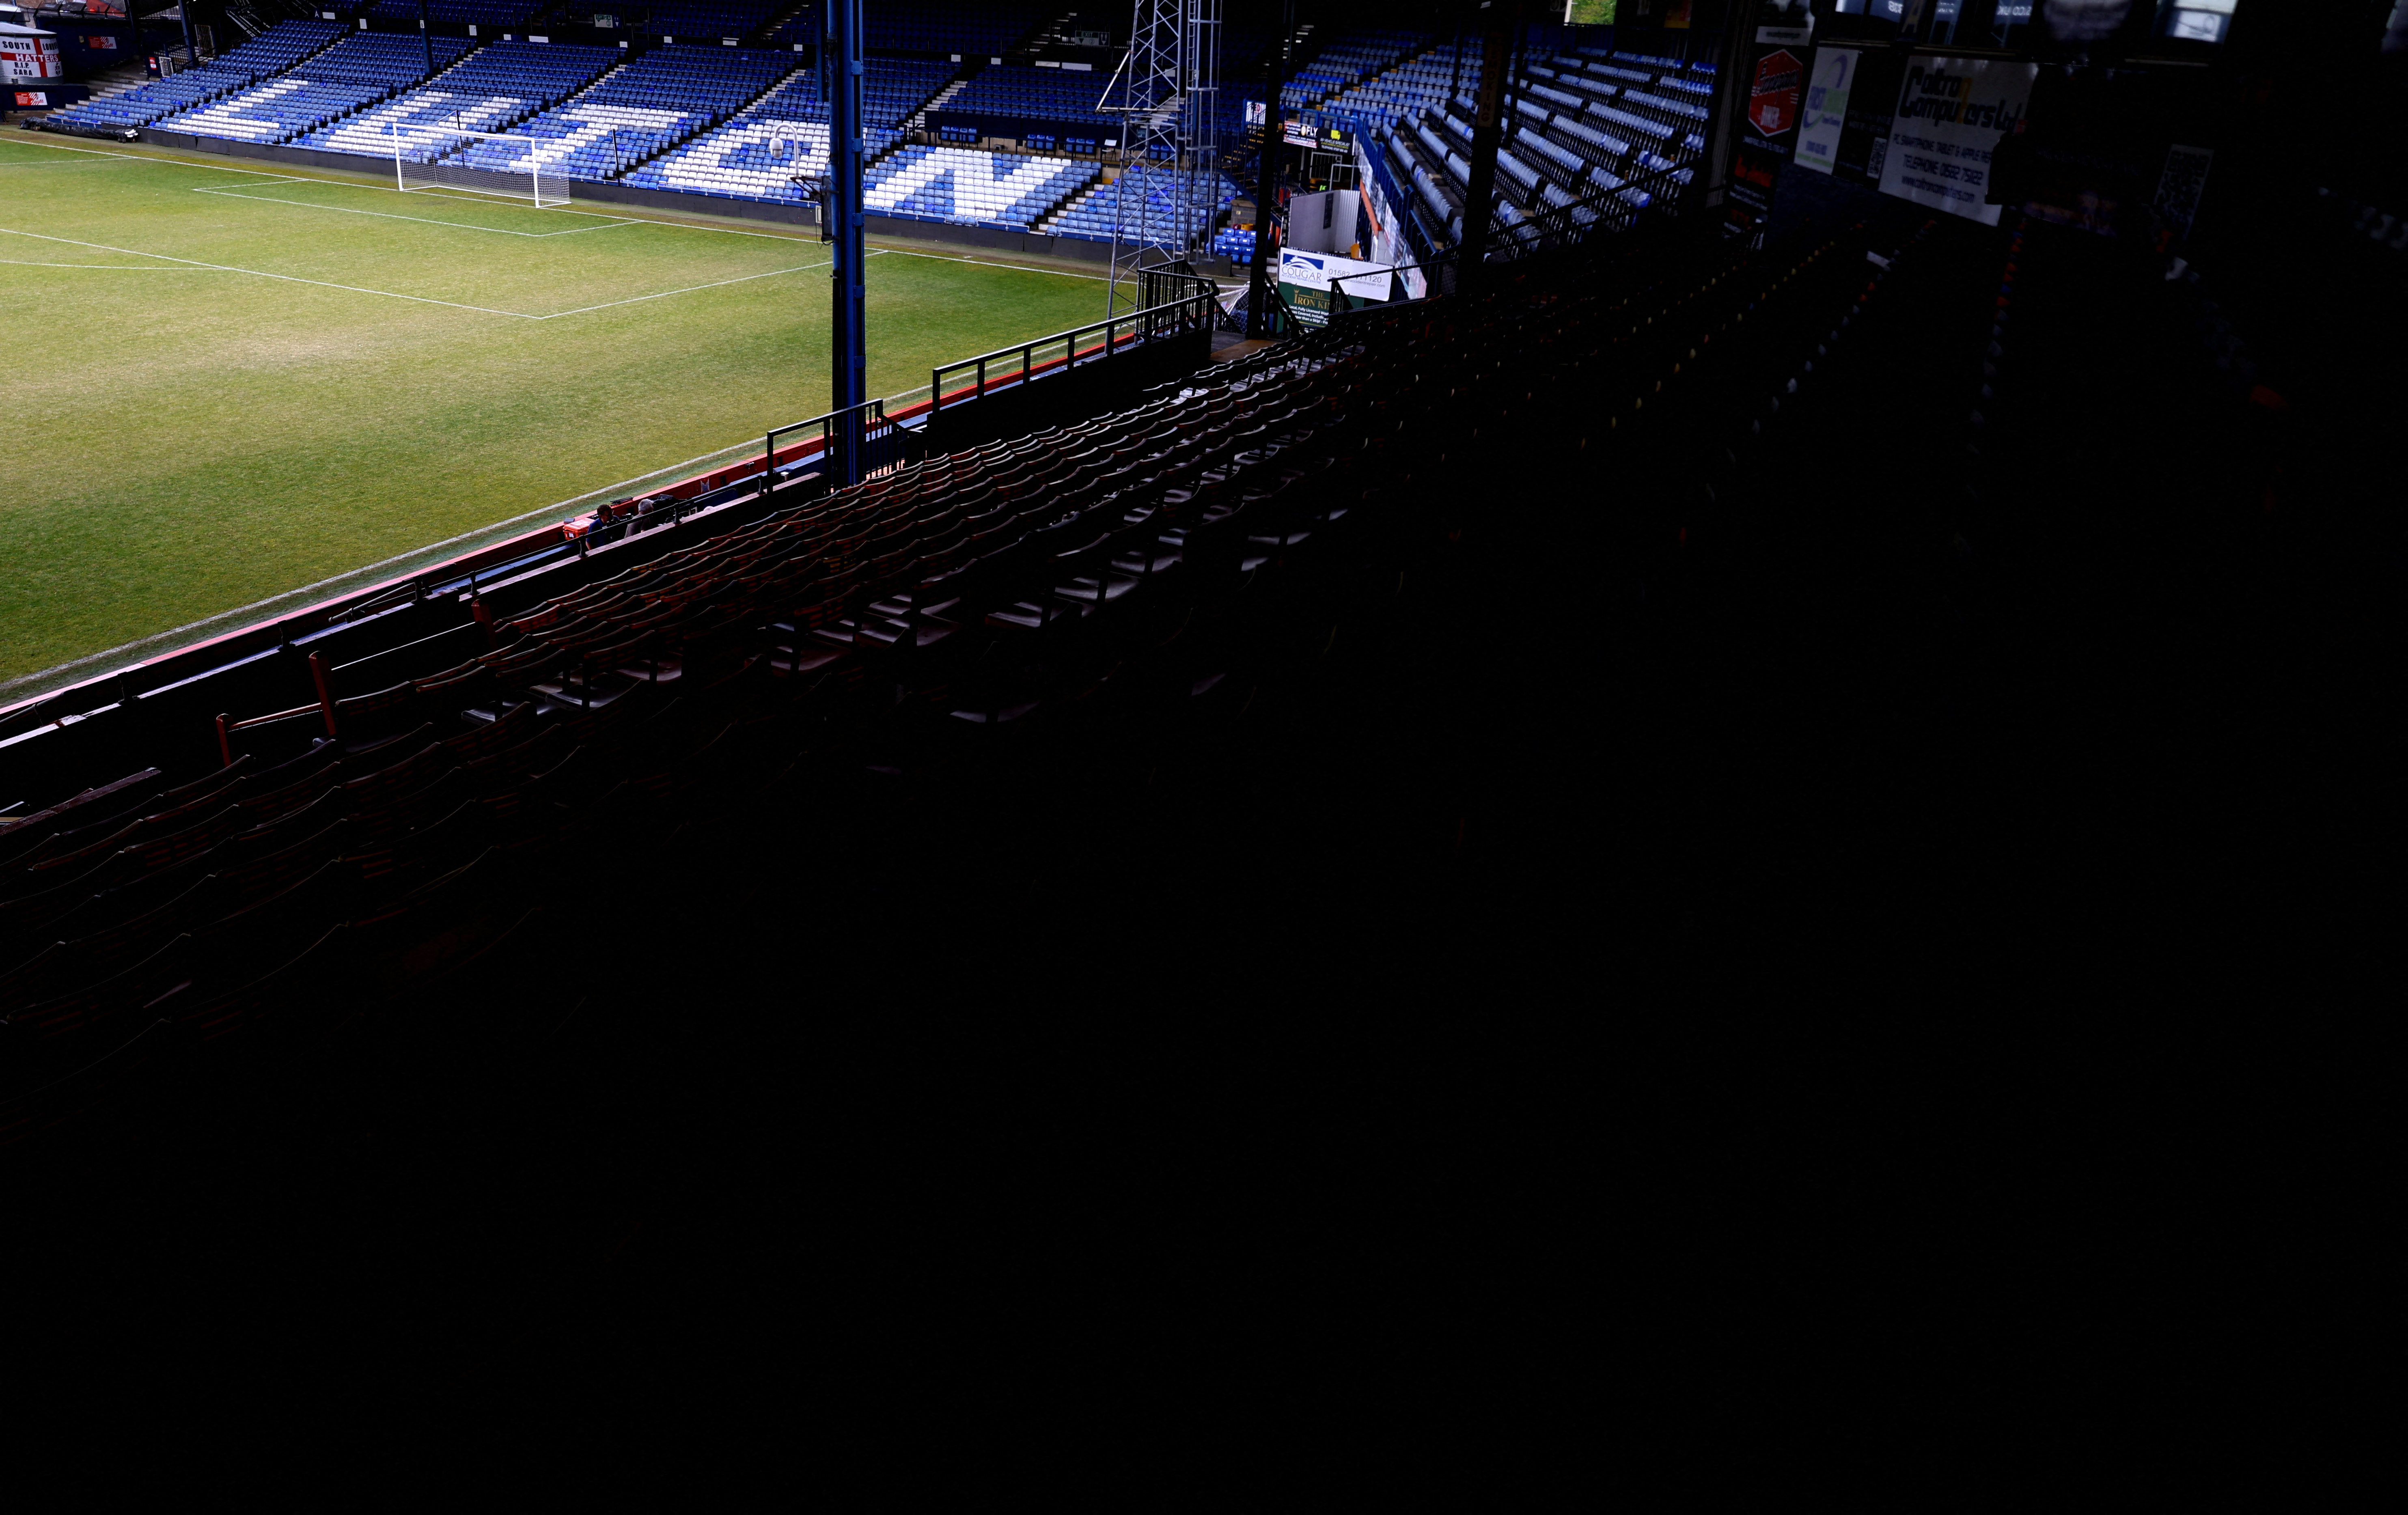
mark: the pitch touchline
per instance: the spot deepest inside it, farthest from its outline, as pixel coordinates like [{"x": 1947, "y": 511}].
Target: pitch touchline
[{"x": 387, "y": 215}]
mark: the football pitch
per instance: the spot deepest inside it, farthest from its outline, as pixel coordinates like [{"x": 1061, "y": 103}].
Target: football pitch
[{"x": 227, "y": 383}]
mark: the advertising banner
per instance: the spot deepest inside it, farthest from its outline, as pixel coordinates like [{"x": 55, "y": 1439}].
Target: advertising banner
[
  {"x": 1951, "y": 113},
  {"x": 1306, "y": 277},
  {"x": 1380, "y": 196},
  {"x": 1864, "y": 135},
  {"x": 27, "y": 55},
  {"x": 2180, "y": 185},
  {"x": 1825, "y": 118},
  {"x": 1773, "y": 96},
  {"x": 1768, "y": 131},
  {"x": 1786, "y": 22}
]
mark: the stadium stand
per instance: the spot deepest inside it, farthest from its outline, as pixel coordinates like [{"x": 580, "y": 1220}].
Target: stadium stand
[
  {"x": 492, "y": 90},
  {"x": 271, "y": 53},
  {"x": 703, "y": 20},
  {"x": 1422, "y": 79},
  {"x": 955, "y": 32},
  {"x": 1092, "y": 216},
  {"x": 1346, "y": 60},
  {"x": 352, "y": 75},
  {"x": 966, "y": 185},
  {"x": 1603, "y": 138},
  {"x": 756, "y": 156},
  {"x": 1478, "y": 582},
  {"x": 328, "y": 838},
  {"x": 633, "y": 112},
  {"x": 1014, "y": 94},
  {"x": 490, "y": 17},
  {"x": 799, "y": 32}
]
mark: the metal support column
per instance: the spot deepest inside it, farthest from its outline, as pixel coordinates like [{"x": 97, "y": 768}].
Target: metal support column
[
  {"x": 1501, "y": 27},
  {"x": 1258, "y": 287},
  {"x": 847, "y": 342},
  {"x": 1166, "y": 94},
  {"x": 184, "y": 14},
  {"x": 426, "y": 38}
]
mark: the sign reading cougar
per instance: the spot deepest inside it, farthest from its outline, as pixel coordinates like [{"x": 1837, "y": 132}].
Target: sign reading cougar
[{"x": 1773, "y": 100}]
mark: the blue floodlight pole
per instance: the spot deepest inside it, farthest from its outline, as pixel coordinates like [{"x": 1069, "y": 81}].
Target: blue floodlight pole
[{"x": 841, "y": 42}]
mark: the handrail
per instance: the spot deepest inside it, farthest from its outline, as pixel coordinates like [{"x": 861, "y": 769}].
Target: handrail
[{"x": 1198, "y": 309}]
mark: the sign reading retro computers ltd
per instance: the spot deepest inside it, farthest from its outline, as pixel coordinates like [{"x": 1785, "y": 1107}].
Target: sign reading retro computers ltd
[
  {"x": 1306, "y": 279},
  {"x": 1951, "y": 114}
]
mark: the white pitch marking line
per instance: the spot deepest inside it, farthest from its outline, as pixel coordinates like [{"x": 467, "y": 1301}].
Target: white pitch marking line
[
  {"x": 267, "y": 174},
  {"x": 387, "y": 215},
  {"x": 665, "y": 293},
  {"x": 289, "y": 278},
  {"x": 1021, "y": 267},
  {"x": 118, "y": 267},
  {"x": 420, "y": 299}
]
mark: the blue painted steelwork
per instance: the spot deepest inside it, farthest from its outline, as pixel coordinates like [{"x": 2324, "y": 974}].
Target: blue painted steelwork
[{"x": 840, "y": 45}]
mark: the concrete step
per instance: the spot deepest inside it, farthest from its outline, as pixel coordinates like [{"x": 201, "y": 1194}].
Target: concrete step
[{"x": 919, "y": 121}]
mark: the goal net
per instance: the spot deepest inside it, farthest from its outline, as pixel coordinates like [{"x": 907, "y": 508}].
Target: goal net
[{"x": 505, "y": 164}]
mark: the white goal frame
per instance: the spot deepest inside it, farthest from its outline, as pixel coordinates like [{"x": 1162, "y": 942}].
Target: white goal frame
[{"x": 544, "y": 190}]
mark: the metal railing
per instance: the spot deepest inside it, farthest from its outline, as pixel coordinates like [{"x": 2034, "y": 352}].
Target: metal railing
[
  {"x": 1176, "y": 301},
  {"x": 881, "y": 440}
]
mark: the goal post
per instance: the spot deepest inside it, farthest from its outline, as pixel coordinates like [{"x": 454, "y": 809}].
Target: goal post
[{"x": 505, "y": 164}]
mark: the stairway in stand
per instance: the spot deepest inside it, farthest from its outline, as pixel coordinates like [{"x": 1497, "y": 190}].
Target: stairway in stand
[
  {"x": 761, "y": 35},
  {"x": 118, "y": 81},
  {"x": 917, "y": 121}
]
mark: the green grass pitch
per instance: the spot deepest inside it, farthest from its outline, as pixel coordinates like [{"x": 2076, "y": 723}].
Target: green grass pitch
[{"x": 224, "y": 384}]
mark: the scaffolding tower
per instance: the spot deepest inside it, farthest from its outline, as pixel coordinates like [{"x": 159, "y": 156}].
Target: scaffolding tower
[{"x": 1166, "y": 95}]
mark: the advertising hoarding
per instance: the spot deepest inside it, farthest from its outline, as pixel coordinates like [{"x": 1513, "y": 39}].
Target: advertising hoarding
[{"x": 1951, "y": 113}]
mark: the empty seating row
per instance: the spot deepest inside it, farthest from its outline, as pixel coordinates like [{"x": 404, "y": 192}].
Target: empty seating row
[
  {"x": 634, "y": 111},
  {"x": 491, "y": 89},
  {"x": 1421, "y": 81},
  {"x": 967, "y": 30},
  {"x": 1094, "y": 215},
  {"x": 491, "y": 17},
  {"x": 784, "y": 134},
  {"x": 354, "y": 73},
  {"x": 973, "y": 579},
  {"x": 1017, "y": 91},
  {"x": 271, "y": 53},
  {"x": 1347, "y": 59},
  {"x": 968, "y": 184},
  {"x": 704, "y": 17}
]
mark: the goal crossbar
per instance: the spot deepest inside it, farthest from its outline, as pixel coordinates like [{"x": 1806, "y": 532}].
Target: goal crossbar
[{"x": 425, "y": 158}]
